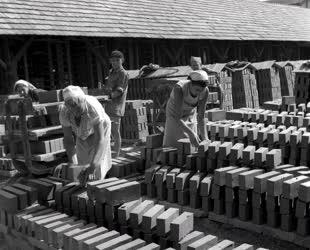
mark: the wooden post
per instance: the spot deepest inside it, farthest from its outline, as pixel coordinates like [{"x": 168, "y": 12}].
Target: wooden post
[
  {"x": 50, "y": 65},
  {"x": 131, "y": 55},
  {"x": 60, "y": 61},
  {"x": 90, "y": 66},
  {"x": 26, "y": 67},
  {"x": 68, "y": 53},
  {"x": 137, "y": 55}
]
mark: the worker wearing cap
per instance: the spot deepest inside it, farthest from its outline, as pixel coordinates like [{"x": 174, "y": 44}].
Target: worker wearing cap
[
  {"x": 195, "y": 63},
  {"x": 116, "y": 86},
  {"x": 186, "y": 106}
]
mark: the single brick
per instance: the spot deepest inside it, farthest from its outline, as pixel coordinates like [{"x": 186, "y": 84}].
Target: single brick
[
  {"x": 133, "y": 245},
  {"x": 32, "y": 193},
  {"x": 224, "y": 150},
  {"x": 125, "y": 209},
  {"x": 161, "y": 174},
  {"x": 111, "y": 244},
  {"x": 244, "y": 247},
  {"x": 204, "y": 243},
  {"x": 91, "y": 185},
  {"x": 236, "y": 152},
  {"x": 8, "y": 201},
  {"x": 154, "y": 141},
  {"x": 213, "y": 149},
  {"x": 274, "y": 158},
  {"x": 304, "y": 192},
  {"x": 151, "y": 246},
  {"x": 188, "y": 239},
  {"x": 150, "y": 173},
  {"x": 150, "y": 216},
  {"x": 248, "y": 154},
  {"x": 181, "y": 226},
  {"x": 223, "y": 245},
  {"x": 291, "y": 186},
  {"x": 164, "y": 220},
  {"x": 205, "y": 185},
  {"x": 171, "y": 176},
  {"x": 260, "y": 156},
  {"x": 21, "y": 196}
]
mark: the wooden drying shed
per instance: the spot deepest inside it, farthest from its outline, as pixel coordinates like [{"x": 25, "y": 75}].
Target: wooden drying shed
[
  {"x": 244, "y": 88},
  {"x": 268, "y": 80}
]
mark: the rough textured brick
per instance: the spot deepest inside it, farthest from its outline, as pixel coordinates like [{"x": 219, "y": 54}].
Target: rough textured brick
[
  {"x": 203, "y": 243},
  {"x": 203, "y": 148},
  {"x": 161, "y": 174},
  {"x": 274, "y": 184},
  {"x": 194, "y": 182},
  {"x": 150, "y": 216},
  {"x": 232, "y": 177},
  {"x": 150, "y": 173},
  {"x": 291, "y": 186},
  {"x": 125, "y": 209},
  {"x": 205, "y": 185},
  {"x": 219, "y": 175},
  {"x": 274, "y": 158},
  {"x": 244, "y": 247},
  {"x": 8, "y": 201},
  {"x": 151, "y": 246},
  {"x": 260, "y": 181},
  {"x": 223, "y": 245},
  {"x": 133, "y": 245},
  {"x": 137, "y": 213},
  {"x": 154, "y": 141},
  {"x": 164, "y": 220},
  {"x": 171, "y": 176},
  {"x": 246, "y": 179},
  {"x": 77, "y": 241},
  {"x": 32, "y": 193},
  {"x": 188, "y": 239},
  {"x": 21, "y": 196},
  {"x": 236, "y": 152},
  {"x": 181, "y": 226},
  {"x": 224, "y": 150},
  {"x": 248, "y": 154},
  {"x": 91, "y": 243},
  {"x": 91, "y": 185},
  {"x": 260, "y": 156},
  {"x": 183, "y": 197},
  {"x": 304, "y": 192},
  {"x": 182, "y": 180}
]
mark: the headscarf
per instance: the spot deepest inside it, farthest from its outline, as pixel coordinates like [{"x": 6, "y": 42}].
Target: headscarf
[
  {"x": 196, "y": 59},
  {"x": 24, "y": 83},
  {"x": 72, "y": 92}
]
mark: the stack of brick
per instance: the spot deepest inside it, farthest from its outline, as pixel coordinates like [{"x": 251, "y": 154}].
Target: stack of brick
[
  {"x": 245, "y": 88},
  {"x": 302, "y": 76},
  {"x": 268, "y": 81},
  {"x": 125, "y": 166},
  {"x": 134, "y": 124},
  {"x": 149, "y": 105},
  {"x": 153, "y": 151},
  {"x": 286, "y": 78},
  {"x": 302, "y": 209}
]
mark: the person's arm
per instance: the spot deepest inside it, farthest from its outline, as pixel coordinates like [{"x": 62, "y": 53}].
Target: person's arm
[
  {"x": 202, "y": 105},
  {"x": 178, "y": 114},
  {"x": 69, "y": 145},
  {"x": 121, "y": 86},
  {"x": 99, "y": 135}
]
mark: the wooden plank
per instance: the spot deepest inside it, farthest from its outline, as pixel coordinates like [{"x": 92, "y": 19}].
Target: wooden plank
[
  {"x": 89, "y": 59},
  {"x": 26, "y": 66}
]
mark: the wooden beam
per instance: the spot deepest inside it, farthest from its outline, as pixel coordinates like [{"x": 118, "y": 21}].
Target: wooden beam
[
  {"x": 99, "y": 70},
  {"x": 23, "y": 50},
  {"x": 90, "y": 66},
  {"x": 50, "y": 64},
  {"x": 3, "y": 64},
  {"x": 137, "y": 56},
  {"x": 26, "y": 67},
  {"x": 60, "y": 65},
  {"x": 68, "y": 54},
  {"x": 131, "y": 55}
]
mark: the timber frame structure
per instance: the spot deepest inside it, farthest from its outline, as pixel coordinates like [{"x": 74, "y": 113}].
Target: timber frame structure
[{"x": 53, "y": 62}]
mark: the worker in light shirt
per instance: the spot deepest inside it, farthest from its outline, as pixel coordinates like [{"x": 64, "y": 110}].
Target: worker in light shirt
[
  {"x": 185, "y": 110},
  {"x": 116, "y": 87}
]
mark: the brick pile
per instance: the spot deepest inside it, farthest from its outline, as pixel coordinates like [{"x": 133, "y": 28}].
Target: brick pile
[
  {"x": 268, "y": 81},
  {"x": 302, "y": 82},
  {"x": 134, "y": 124},
  {"x": 286, "y": 78}
]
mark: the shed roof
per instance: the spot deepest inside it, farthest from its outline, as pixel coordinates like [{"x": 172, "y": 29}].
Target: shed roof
[
  {"x": 265, "y": 65},
  {"x": 168, "y": 19}
]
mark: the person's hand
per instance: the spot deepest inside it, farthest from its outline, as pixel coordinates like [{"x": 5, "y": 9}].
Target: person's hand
[{"x": 194, "y": 139}]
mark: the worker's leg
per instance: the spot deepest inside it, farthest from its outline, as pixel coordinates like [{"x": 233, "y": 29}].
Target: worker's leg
[{"x": 116, "y": 134}]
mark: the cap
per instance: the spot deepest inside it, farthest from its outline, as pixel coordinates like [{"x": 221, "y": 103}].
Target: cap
[
  {"x": 117, "y": 54},
  {"x": 199, "y": 75}
]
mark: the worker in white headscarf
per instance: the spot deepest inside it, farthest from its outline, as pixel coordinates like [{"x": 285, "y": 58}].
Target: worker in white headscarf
[
  {"x": 26, "y": 89},
  {"x": 186, "y": 98},
  {"x": 84, "y": 115}
]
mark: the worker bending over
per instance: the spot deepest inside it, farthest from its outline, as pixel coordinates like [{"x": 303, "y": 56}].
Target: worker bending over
[
  {"x": 84, "y": 116},
  {"x": 26, "y": 89},
  {"x": 116, "y": 87},
  {"x": 187, "y": 98}
]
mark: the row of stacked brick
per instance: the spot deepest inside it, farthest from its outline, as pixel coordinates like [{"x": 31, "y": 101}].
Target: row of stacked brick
[
  {"x": 253, "y": 83},
  {"x": 98, "y": 218}
]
